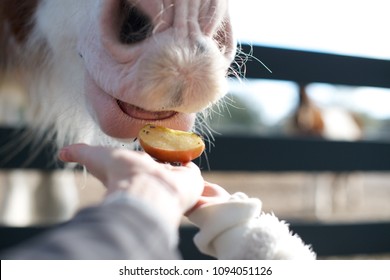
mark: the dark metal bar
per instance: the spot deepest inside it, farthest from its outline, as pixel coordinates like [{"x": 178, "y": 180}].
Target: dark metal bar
[
  {"x": 306, "y": 67},
  {"x": 239, "y": 153},
  {"x": 327, "y": 239},
  {"x": 18, "y": 150},
  {"x": 294, "y": 154}
]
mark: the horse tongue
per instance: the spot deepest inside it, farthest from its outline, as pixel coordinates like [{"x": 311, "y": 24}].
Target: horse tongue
[{"x": 139, "y": 113}]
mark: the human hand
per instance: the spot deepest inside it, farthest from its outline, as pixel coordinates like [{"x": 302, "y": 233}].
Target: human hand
[
  {"x": 172, "y": 189},
  {"x": 212, "y": 194}
]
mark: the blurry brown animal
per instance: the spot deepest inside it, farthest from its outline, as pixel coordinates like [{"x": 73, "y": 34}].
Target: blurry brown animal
[
  {"x": 331, "y": 191},
  {"x": 329, "y": 123}
]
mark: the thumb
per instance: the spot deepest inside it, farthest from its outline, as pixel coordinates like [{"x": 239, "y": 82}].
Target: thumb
[{"x": 212, "y": 194}]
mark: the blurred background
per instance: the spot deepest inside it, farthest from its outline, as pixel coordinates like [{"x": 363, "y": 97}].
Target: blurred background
[
  {"x": 349, "y": 113},
  {"x": 346, "y": 27}
]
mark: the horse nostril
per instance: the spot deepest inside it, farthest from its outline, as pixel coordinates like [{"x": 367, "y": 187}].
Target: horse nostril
[{"x": 136, "y": 26}]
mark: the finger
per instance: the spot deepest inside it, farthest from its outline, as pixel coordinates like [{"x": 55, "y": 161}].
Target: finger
[
  {"x": 93, "y": 158},
  {"x": 212, "y": 194},
  {"x": 170, "y": 166},
  {"x": 214, "y": 190},
  {"x": 69, "y": 153},
  {"x": 191, "y": 182},
  {"x": 192, "y": 166}
]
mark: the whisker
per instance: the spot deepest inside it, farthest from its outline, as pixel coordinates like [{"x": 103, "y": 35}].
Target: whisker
[{"x": 158, "y": 17}]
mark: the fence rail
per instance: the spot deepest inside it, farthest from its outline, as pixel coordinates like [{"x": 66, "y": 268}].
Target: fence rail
[{"x": 308, "y": 67}]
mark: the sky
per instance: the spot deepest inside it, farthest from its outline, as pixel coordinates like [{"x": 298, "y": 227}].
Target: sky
[{"x": 358, "y": 28}]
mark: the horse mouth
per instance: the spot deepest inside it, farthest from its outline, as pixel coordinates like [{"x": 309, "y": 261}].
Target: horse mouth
[{"x": 138, "y": 113}]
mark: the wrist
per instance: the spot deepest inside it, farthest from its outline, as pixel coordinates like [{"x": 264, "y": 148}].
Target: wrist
[{"x": 121, "y": 198}]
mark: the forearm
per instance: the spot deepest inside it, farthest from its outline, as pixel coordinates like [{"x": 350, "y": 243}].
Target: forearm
[{"x": 117, "y": 230}]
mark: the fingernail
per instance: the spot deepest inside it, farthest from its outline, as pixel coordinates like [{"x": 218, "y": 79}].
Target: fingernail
[{"x": 63, "y": 154}]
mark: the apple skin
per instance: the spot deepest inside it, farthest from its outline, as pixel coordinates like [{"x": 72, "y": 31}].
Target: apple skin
[{"x": 169, "y": 145}]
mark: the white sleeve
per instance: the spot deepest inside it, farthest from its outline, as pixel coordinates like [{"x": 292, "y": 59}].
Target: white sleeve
[{"x": 237, "y": 229}]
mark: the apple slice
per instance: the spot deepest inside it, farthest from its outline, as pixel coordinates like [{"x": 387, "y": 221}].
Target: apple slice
[{"x": 169, "y": 145}]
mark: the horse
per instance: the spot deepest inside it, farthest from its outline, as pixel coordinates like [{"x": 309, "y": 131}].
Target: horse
[{"x": 332, "y": 192}]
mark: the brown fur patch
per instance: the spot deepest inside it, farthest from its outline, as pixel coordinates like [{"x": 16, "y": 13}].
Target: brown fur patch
[
  {"x": 17, "y": 14},
  {"x": 16, "y": 22}
]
